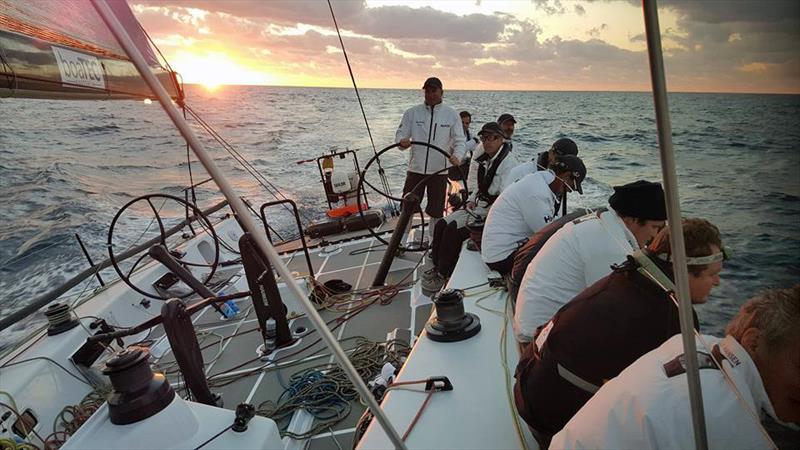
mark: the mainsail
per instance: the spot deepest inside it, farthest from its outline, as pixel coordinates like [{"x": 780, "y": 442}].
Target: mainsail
[{"x": 63, "y": 49}]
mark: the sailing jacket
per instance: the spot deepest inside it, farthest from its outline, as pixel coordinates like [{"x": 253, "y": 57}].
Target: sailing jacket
[
  {"x": 519, "y": 211},
  {"x": 647, "y": 405},
  {"x": 589, "y": 341},
  {"x": 577, "y": 255},
  {"x": 525, "y": 168},
  {"x": 439, "y": 125}
]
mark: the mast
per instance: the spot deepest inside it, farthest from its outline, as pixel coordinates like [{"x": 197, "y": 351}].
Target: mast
[
  {"x": 670, "y": 181},
  {"x": 243, "y": 214}
]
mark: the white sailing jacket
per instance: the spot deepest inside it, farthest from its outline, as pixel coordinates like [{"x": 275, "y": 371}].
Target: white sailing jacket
[
  {"x": 445, "y": 132},
  {"x": 646, "y": 408},
  {"x": 521, "y": 210},
  {"x": 574, "y": 258}
]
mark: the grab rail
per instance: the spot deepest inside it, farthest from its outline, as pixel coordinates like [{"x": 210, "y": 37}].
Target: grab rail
[{"x": 299, "y": 228}]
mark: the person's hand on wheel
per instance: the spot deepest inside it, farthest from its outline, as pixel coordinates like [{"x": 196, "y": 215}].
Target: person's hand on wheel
[
  {"x": 405, "y": 143},
  {"x": 454, "y": 160}
]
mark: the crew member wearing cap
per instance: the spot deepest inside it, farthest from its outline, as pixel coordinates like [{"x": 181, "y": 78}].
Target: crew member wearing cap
[
  {"x": 563, "y": 146},
  {"x": 582, "y": 252},
  {"x": 439, "y": 125},
  {"x": 487, "y": 174},
  {"x": 525, "y": 207},
  {"x": 608, "y": 326},
  {"x": 507, "y": 123}
]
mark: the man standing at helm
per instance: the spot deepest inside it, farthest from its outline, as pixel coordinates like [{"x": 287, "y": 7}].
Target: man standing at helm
[{"x": 439, "y": 125}]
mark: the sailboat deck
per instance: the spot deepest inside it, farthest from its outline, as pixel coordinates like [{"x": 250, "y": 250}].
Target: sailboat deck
[{"x": 229, "y": 346}]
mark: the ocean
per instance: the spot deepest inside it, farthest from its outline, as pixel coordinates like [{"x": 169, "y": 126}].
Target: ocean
[{"x": 66, "y": 167}]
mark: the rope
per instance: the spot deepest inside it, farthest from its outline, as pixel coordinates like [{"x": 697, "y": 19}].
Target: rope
[
  {"x": 325, "y": 392},
  {"x": 72, "y": 417},
  {"x": 381, "y": 172}
]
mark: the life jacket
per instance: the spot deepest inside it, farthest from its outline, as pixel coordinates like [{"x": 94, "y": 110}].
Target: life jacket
[
  {"x": 590, "y": 340},
  {"x": 486, "y": 176}
]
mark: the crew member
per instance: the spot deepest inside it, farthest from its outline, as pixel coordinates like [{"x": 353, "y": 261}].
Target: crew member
[
  {"x": 507, "y": 123},
  {"x": 434, "y": 123},
  {"x": 609, "y": 325},
  {"x": 647, "y": 405},
  {"x": 524, "y": 208},
  {"x": 582, "y": 252},
  {"x": 487, "y": 173},
  {"x": 471, "y": 141},
  {"x": 563, "y": 146},
  {"x": 457, "y": 173}
]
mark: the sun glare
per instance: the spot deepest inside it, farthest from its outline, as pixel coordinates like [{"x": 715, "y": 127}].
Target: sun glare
[{"x": 212, "y": 70}]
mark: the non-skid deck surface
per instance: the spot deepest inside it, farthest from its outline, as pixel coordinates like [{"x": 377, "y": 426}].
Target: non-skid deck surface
[{"x": 353, "y": 263}]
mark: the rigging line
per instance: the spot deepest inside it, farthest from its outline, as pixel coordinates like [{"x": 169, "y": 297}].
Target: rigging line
[
  {"x": 241, "y": 159},
  {"x": 381, "y": 172},
  {"x": 261, "y": 179},
  {"x": 189, "y": 160},
  {"x": 13, "y": 82}
]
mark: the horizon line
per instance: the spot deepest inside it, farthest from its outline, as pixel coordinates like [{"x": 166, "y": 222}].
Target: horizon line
[{"x": 499, "y": 90}]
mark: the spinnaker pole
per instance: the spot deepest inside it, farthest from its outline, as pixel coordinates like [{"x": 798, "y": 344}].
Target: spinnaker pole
[
  {"x": 670, "y": 180},
  {"x": 246, "y": 220}
]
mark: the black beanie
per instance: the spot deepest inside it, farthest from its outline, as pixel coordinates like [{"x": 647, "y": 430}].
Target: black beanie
[{"x": 640, "y": 199}]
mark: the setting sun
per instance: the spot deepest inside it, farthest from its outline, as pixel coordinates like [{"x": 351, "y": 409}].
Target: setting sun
[{"x": 214, "y": 69}]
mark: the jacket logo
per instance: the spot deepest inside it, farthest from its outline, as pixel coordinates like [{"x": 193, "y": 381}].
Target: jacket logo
[
  {"x": 444, "y": 125},
  {"x": 548, "y": 219}
]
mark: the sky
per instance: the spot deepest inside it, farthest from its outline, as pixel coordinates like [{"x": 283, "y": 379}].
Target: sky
[{"x": 580, "y": 45}]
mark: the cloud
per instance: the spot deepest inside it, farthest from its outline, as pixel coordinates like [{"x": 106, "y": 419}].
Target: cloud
[
  {"x": 391, "y": 45},
  {"x": 595, "y": 32},
  {"x": 398, "y": 22},
  {"x": 550, "y": 7}
]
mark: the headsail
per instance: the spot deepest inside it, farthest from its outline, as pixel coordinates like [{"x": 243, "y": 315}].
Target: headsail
[{"x": 62, "y": 49}]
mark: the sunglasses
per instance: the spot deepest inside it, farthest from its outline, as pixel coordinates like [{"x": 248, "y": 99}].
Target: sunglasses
[{"x": 490, "y": 137}]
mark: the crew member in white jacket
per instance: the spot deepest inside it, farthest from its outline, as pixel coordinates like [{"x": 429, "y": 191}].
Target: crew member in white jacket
[
  {"x": 525, "y": 207},
  {"x": 437, "y": 124},
  {"x": 563, "y": 146},
  {"x": 647, "y": 405},
  {"x": 582, "y": 252}
]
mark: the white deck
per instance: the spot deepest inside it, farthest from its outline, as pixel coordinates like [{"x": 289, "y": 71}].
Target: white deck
[{"x": 478, "y": 413}]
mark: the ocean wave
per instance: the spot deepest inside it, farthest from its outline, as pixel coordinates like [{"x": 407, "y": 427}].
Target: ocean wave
[{"x": 96, "y": 129}]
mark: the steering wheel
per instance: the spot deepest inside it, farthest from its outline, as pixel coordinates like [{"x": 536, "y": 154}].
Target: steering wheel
[
  {"x": 162, "y": 238},
  {"x": 362, "y": 181}
]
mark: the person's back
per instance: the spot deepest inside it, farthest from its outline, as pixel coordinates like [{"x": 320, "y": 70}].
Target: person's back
[
  {"x": 579, "y": 254},
  {"x": 647, "y": 405},
  {"x": 591, "y": 339},
  {"x": 520, "y": 210}
]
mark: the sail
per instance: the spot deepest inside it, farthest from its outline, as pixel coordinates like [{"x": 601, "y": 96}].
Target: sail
[{"x": 63, "y": 49}]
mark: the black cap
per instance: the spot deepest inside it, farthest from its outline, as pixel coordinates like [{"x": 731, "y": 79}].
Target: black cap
[
  {"x": 640, "y": 199},
  {"x": 492, "y": 127},
  {"x": 572, "y": 164},
  {"x": 504, "y": 117},
  {"x": 565, "y": 146},
  {"x": 432, "y": 82}
]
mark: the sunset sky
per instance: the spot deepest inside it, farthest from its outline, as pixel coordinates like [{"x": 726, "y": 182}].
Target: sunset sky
[{"x": 710, "y": 46}]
